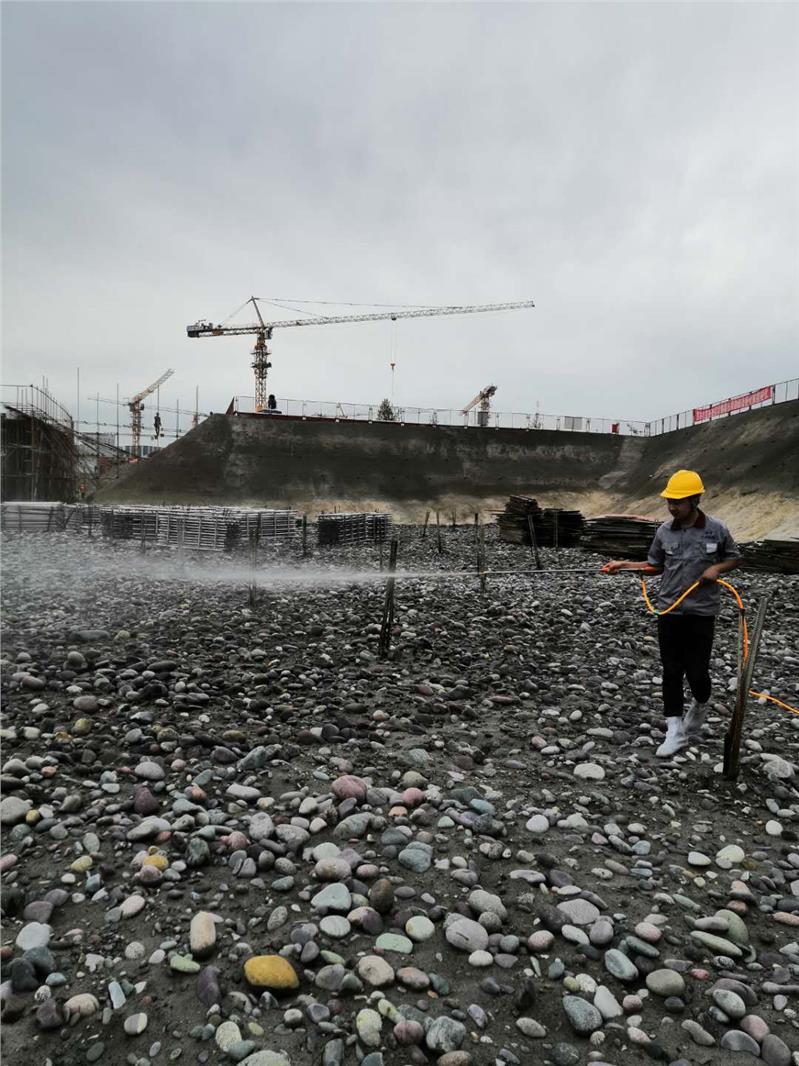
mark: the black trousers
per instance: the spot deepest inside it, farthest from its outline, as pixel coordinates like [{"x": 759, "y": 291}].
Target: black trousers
[{"x": 686, "y": 643}]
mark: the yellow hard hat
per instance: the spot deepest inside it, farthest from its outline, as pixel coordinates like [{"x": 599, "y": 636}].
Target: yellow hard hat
[{"x": 683, "y": 484}]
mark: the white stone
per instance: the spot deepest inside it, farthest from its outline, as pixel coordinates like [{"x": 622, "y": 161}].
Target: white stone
[{"x": 589, "y": 771}]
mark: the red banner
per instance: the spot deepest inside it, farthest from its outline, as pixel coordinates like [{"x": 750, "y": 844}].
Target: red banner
[{"x": 726, "y": 407}]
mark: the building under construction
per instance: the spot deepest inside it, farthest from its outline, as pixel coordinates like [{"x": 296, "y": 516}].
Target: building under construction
[{"x": 39, "y": 457}]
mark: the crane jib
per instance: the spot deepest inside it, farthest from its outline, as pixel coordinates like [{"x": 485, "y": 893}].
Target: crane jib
[{"x": 208, "y": 329}]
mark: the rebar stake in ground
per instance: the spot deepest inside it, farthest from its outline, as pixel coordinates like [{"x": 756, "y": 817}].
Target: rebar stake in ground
[
  {"x": 734, "y": 735},
  {"x": 388, "y": 606}
]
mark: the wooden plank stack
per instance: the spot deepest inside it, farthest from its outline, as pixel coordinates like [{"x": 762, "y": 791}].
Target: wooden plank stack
[
  {"x": 772, "y": 556},
  {"x": 551, "y": 524},
  {"x": 621, "y": 536}
]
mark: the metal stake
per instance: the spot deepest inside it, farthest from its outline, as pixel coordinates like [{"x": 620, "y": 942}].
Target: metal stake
[
  {"x": 734, "y": 735},
  {"x": 388, "y": 606},
  {"x": 534, "y": 543},
  {"x": 482, "y": 562}
]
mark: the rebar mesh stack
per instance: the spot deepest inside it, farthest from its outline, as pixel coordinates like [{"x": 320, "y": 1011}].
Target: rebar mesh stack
[
  {"x": 353, "y": 528},
  {"x": 197, "y": 528},
  {"x": 36, "y": 516}
]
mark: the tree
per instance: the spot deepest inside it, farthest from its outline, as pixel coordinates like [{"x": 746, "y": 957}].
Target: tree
[{"x": 385, "y": 411}]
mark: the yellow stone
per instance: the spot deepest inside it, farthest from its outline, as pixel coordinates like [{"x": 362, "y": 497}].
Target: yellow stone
[
  {"x": 81, "y": 864},
  {"x": 82, "y": 726},
  {"x": 160, "y": 862},
  {"x": 32, "y": 817},
  {"x": 270, "y": 971}
]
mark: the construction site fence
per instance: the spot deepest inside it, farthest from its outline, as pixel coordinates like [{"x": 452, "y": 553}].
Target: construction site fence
[{"x": 781, "y": 392}]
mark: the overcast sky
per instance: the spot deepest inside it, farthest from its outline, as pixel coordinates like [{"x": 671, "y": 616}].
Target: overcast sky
[{"x": 633, "y": 168}]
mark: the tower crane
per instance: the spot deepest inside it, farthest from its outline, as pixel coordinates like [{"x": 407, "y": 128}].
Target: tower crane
[
  {"x": 484, "y": 399},
  {"x": 136, "y": 407},
  {"x": 263, "y": 330}
]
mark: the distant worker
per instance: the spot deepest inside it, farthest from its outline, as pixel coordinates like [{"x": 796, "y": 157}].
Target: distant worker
[
  {"x": 691, "y": 547},
  {"x": 157, "y": 425},
  {"x": 271, "y": 403}
]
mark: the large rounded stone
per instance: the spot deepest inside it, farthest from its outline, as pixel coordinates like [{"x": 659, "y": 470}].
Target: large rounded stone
[
  {"x": 202, "y": 934},
  {"x": 375, "y": 971},
  {"x": 467, "y": 935},
  {"x": 665, "y": 983},
  {"x": 617, "y": 963},
  {"x": 445, "y": 1034},
  {"x": 583, "y": 1016},
  {"x": 579, "y": 911},
  {"x": 272, "y": 972},
  {"x": 334, "y": 897},
  {"x": 368, "y": 1025},
  {"x": 349, "y": 787}
]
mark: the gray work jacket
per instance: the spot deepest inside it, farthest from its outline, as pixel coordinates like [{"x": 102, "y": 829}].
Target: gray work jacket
[{"x": 685, "y": 554}]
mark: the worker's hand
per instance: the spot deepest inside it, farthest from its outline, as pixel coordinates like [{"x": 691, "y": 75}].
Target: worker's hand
[
  {"x": 710, "y": 575},
  {"x": 613, "y": 567}
]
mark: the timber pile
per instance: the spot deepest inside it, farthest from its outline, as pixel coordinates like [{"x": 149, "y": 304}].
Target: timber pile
[
  {"x": 623, "y": 535},
  {"x": 553, "y": 526},
  {"x": 772, "y": 556},
  {"x": 353, "y": 528}
]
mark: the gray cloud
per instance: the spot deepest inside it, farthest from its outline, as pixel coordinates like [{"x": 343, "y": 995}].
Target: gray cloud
[{"x": 633, "y": 168}]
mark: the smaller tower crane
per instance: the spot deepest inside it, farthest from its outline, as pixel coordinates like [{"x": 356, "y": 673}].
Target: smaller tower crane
[
  {"x": 136, "y": 407},
  {"x": 484, "y": 399}
]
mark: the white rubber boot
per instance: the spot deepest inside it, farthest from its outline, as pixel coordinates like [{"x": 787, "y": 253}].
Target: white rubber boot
[
  {"x": 694, "y": 720},
  {"x": 675, "y": 740}
]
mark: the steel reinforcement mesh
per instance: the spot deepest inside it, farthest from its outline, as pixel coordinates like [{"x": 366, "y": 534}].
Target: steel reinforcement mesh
[{"x": 353, "y": 528}]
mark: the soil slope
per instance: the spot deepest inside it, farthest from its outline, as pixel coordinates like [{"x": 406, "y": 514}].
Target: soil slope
[{"x": 748, "y": 461}]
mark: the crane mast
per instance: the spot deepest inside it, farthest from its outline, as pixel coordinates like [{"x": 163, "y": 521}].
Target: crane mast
[
  {"x": 263, "y": 330},
  {"x": 135, "y": 406}
]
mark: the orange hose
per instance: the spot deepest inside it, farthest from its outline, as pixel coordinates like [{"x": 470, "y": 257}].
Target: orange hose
[
  {"x": 763, "y": 696},
  {"x": 744, "y": 628}
]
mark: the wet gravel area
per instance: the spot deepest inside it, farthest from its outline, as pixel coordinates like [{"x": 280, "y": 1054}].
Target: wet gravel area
[{"x": 233, "y": 832}]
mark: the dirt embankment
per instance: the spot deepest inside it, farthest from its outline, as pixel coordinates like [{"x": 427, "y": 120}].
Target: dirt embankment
[{"x": 749, "y": 463}]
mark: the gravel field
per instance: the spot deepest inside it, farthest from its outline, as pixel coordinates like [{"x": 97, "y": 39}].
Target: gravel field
[{"x": 236, "y": 834}]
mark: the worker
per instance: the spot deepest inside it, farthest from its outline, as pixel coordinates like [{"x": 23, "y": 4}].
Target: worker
[{"x": 693, "y": 546}]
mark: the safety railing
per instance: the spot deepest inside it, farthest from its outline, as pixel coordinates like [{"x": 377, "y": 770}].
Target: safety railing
[
  {"x": 751, "y": 401},
  {"x": 437, "y": 416}
]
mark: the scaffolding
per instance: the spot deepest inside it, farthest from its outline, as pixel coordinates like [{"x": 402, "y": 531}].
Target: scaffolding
[{"x": 39, "y": 457}]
